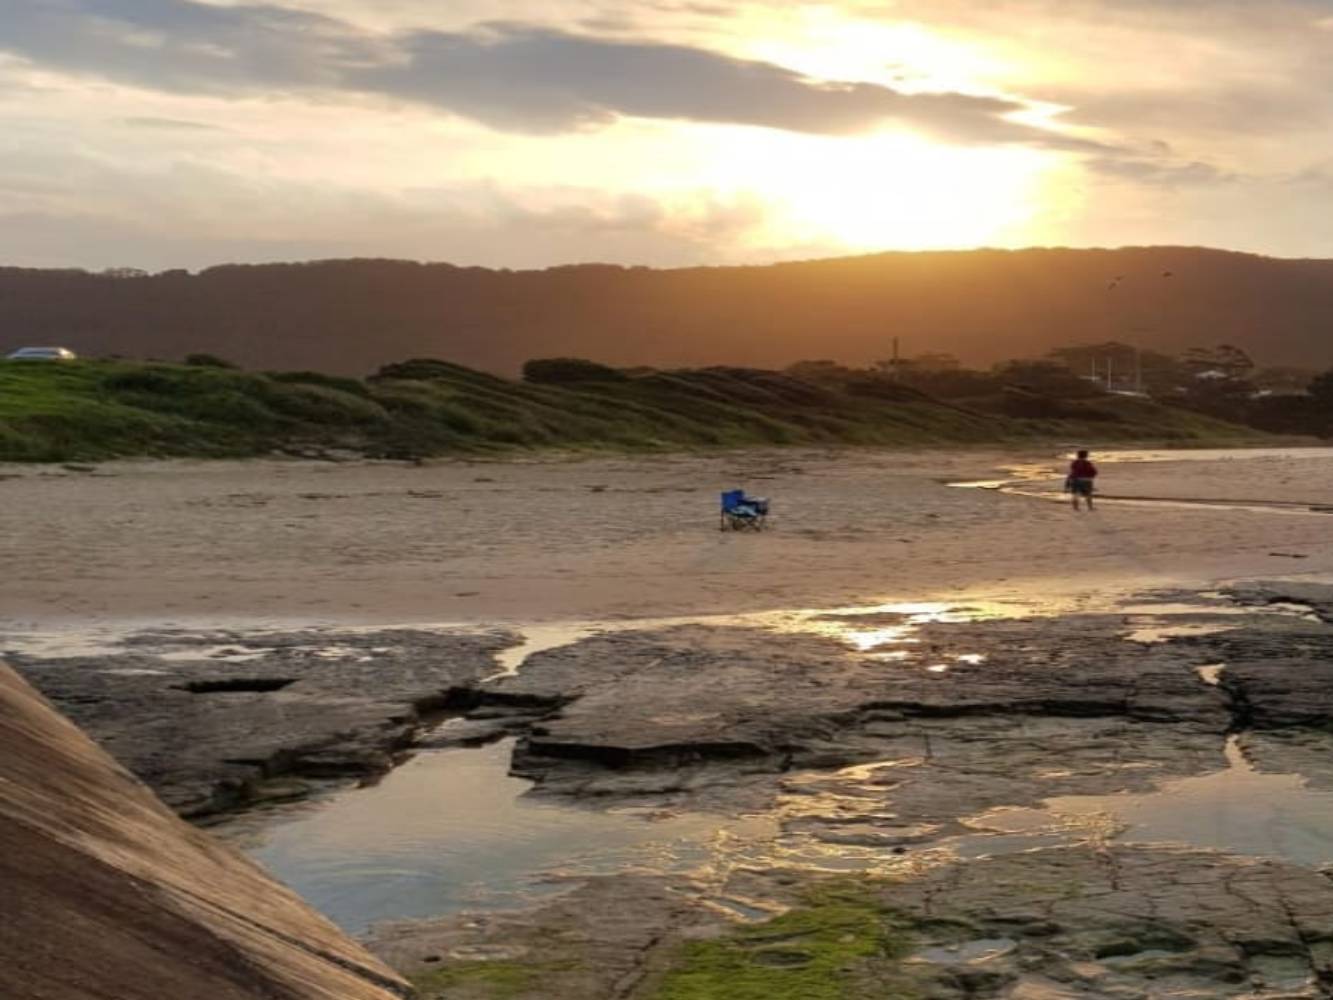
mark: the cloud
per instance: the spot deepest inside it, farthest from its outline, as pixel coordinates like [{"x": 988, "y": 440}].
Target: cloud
[
  {"x": 510, "y": 76},
  {"x": 169, "y": 124},
  {"x": 1215, "y": 107},
  {"x": 1168, "y": 175},
  {"x": 537, "y": 80},
  {"x": 157, "y": 216},
  {"x": 1208, "y": 70},
  {"x": 186, "y": 46}
]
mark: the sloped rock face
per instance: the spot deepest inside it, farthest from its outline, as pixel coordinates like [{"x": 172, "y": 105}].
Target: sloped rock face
[{"x": 107, "y": 894}]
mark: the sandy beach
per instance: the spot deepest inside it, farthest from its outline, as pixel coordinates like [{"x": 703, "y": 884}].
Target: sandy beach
[{"x": 601, "y": 538}]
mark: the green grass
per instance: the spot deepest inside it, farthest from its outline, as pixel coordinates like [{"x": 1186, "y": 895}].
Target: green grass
[
  {"x": 88, "y": 410},
  {"x": 841, "y": 944}
]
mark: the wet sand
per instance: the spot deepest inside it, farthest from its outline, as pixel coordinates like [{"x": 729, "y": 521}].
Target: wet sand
[{"x": 603, "y": 538}]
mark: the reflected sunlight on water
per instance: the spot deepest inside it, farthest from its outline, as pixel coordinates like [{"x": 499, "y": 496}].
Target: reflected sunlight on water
[
  {"x": 1238, "y": 810},
  {"x": 451, "y": 830}
]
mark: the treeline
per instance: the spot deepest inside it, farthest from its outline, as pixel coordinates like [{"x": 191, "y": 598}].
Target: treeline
[
  {"x": 350, "y": 317},
  {"x": 1222, "y": 382}
]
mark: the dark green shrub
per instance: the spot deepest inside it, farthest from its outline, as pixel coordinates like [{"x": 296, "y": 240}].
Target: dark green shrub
[
  {"x": 1015, "y": 402},
  {"x": 321, "y": 404},
  {"x": 343, "y": 384},
  {"x": 208, "y": 361},
  {"x": 235, "y": 410},
  {"x": 432, "y": 369},
  {"x": 153, "y": 380},
  {"x": 559, "y": 371}
]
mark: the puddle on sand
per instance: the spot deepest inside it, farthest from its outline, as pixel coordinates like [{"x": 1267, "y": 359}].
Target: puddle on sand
[
  {"x": 1154, "y": 631},
  {"x": 228, "y": 653},
  {"x": 1156, "y": 623},
  {"x": 451, "y": 831},
  {"x": 879, "y": 631},
  {"x": 1042, "y": 480},
  {"x": 1239, "y": 810}
]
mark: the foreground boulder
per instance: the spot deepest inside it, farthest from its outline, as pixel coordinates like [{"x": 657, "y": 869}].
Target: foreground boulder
[{"x": 108, "y": 895}]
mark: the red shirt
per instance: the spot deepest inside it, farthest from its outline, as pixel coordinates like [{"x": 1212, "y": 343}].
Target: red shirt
[{"x": 1081, "y": 468}]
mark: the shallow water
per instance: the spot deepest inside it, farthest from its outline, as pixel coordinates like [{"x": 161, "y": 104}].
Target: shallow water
[
  {"x": 1042, "y": 481},
  {"x": 450, "y": 830},
  {"x": 1238, "y": 810},
  {"x": 210, "y": 640}
]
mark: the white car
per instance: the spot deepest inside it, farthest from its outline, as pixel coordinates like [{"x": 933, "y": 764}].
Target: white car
[{"x": 42, "y": 354}]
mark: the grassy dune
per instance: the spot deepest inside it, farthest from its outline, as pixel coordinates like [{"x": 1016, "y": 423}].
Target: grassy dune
[{"x": 60, "y": 412}]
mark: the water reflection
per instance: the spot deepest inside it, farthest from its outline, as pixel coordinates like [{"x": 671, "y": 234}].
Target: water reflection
[
  {"x": 1238, "y": 810},
  {"x": 1044, "y": 480},
  {"x": 452, "y": 830},
  {"x": 864, "y": 629}
]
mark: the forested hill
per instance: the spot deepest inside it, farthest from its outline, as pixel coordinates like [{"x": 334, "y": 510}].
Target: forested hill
[{"x": 351, "y": 316}]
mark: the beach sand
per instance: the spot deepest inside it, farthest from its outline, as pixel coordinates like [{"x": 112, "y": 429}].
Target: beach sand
[{"x": 545, "y": 539}]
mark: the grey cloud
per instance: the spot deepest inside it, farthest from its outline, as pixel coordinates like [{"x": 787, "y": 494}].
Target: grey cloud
[
  {"x": 1167, "y": 175},
  {"x": 509, "y": 76},
  {"x": 608, "y": 23},
  {"x": 1228, "y": 109},
  {"x": 1247, "y": 69},
  {"x": 186, "y": 46},
  {"x": 539, "y": 80}
]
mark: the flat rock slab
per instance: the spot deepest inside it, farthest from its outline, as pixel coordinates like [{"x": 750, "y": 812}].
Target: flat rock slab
[
  {"x": 1122, "y": 922},
  {"x": 211, "y": 734},
  {"x": 1096, "y": 923},
  {"x": 936, "y": 773},
  {"x": 679, "y": 710},
  {"x": 603, "y": 939}
]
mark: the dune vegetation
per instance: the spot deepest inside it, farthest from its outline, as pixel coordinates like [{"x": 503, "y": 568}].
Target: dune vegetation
[{"x": 90, "y": 410}]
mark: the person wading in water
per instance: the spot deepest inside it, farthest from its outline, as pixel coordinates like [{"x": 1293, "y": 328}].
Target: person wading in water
[{"x": 1082, "y": 473}]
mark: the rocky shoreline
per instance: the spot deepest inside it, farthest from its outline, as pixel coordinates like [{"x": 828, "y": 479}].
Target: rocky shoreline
[
  {"x": 220, "y": 721},
  {"x": 895, "y": 747}
]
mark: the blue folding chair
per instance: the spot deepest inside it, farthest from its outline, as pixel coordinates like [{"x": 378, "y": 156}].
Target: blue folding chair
[{"x": 742, "y": 513}]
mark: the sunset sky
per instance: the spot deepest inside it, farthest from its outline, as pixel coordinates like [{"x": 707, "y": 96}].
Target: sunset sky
[{"x": 522, "y": 133}]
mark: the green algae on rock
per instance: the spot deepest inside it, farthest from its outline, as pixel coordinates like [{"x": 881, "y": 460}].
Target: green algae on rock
[{"x": 840, "y": 943}]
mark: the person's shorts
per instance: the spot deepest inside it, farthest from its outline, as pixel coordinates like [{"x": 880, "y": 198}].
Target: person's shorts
[{"x": 1081, "y": 487}]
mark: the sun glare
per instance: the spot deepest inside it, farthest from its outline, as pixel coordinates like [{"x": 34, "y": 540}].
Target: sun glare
[
  {"x": 894, "y": 189},
  {"x": 886, "y": 191},
  {"x": 823, "y": 43}
]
